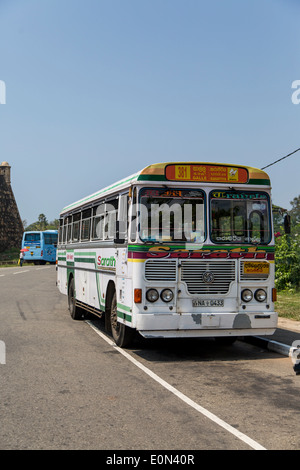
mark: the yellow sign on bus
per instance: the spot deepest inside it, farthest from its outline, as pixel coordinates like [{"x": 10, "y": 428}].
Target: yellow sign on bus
[
  {"x": 252, "y": 267},
  {"x": 209, "y": 173}
]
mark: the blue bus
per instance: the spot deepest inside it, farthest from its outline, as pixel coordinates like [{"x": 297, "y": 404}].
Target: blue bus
[{"x": 40, "y": 247}]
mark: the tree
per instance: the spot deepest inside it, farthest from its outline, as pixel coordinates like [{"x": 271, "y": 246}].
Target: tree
[
  {"x": 43, "y": 222},
  {"x": 295, "y": 212},
  {"x": 53, "y": 224}
]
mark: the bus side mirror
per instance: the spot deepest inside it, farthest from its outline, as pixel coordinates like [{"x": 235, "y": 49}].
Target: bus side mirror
[
  {"x": 287, "y": 223},
  {"x": 120, "y": 232}
]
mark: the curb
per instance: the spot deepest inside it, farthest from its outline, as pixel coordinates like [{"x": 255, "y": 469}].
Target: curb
[{"x": 280, "y": 348}]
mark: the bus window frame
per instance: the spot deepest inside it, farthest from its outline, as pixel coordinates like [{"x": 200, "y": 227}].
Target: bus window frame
[
  {"x": 267, "y": 200},
  {"x": 95, "y": 215},
  {"x": 111, "y": 217},
  {"x": 132, "y": 215},
  {"x": 204, "y": 213},
  {"x": 84, "y": 219},
  {"x": 122, "y": 222}
]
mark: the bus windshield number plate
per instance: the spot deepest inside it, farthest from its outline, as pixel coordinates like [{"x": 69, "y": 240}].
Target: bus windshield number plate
[{"x": 208, "y": 303}]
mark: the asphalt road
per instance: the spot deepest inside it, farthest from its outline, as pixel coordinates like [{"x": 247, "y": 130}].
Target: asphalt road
[{"x": 64, "y": 385}]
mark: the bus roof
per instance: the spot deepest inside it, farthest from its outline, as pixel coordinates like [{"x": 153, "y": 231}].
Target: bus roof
[
  {"x": 188, "y": 172},
  {"x": 41, "y": 231}
]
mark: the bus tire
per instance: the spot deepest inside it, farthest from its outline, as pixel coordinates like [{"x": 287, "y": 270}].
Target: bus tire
[
  {"x": 75, "y": 312},
  {"x": 122, "y": 334}
]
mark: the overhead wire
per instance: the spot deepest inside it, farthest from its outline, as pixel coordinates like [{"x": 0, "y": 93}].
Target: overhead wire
[{"x": 279, "y": 160}]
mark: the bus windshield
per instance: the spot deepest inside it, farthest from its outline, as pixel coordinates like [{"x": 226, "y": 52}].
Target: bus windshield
[
  {"x": 32, "y": 238},
  {"x": 240, "y": 217},
  {"x": 172, "y": 215}
]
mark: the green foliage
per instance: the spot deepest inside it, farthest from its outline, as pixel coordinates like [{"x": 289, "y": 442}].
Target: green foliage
[
  {"x": 295, "y": 212},
  {"x": 287, "y": 248},
  {"x": 10, "y": 254},
  {"x": 287, "y": 262},
  {"x": 278, "y": 215},
  {"x": 42, "y": 224}
]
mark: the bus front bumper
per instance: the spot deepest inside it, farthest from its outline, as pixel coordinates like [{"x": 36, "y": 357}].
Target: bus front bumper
[{"x": 206, "y": 324}]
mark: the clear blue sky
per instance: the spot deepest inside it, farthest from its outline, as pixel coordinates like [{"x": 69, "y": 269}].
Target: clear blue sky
[{"x": 96, "y": 90}]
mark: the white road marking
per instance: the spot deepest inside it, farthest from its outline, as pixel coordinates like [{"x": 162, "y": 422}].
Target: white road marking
[
  {"x": 8, "y": 271},
  {"x": 255, "y": 445}
]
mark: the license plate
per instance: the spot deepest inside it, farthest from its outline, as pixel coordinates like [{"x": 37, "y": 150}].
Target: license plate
[{"x": 208, "y": 303}]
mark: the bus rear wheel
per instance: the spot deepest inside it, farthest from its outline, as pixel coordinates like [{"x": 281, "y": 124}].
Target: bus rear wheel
[
  {"x": 122, "y": 334},
  {"x": 75, "y": 311}
]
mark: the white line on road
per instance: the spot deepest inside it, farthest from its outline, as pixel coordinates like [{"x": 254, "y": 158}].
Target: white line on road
[
  {"x": 255, "y": 445},
  {"x": 23, "y": 271}
]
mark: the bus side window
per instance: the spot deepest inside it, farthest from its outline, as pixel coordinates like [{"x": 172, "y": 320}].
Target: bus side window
[
  {"x": 123, "y": 216},
  {"x": 69, "y": 229},
  {"x": 61, "y": 230},
  {"x": 55, "y": 240},
  {"x": 64, "y": 239},
  {"x": 98, "y": 222},
  {"x": 86, "y": 224},
  {"x": 133, "y": 218},
  {"x": 76, "y": 226},
  {"x": 111, "y": 210}
]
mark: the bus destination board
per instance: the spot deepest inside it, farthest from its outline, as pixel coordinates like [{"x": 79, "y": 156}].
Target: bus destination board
[{"x": 206, "y": 173}]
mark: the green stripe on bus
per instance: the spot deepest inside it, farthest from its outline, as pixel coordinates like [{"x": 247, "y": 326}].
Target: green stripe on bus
[
  {"x": 152, "y": 178},
  {"x": 124, "y": 316},
  {"x": 84, "y": 260},
  {"x": 124, "y": 307},
  {"x": 262, "y": 182}
]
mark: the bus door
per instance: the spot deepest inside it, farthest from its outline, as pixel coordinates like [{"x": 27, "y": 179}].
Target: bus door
[{"x": 123, "y": 283}]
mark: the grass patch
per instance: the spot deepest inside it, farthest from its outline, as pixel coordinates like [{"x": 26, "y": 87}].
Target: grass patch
[
  {"x": 9, "y": 257},
  {"x": 288, "y": 305},
  {"x": 8, "y": 265}
]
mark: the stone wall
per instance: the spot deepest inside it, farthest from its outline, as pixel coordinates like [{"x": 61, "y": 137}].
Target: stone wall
[{"x": 11, "y": 227}]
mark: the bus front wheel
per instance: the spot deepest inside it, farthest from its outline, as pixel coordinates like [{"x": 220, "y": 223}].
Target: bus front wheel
[{"x": 122, "y": 334}]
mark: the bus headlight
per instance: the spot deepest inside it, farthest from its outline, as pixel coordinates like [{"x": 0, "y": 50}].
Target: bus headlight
[
  {"x": 260, "y": 295},
  {"x": 166, "y": 295},
  {"x": 247, "y": 295},
  {"x": 152, "y": 295}
]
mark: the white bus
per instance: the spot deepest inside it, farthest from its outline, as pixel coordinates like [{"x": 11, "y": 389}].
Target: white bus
[{"x": 175, "y": 250}]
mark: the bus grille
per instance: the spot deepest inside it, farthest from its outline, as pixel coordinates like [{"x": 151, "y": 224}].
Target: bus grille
[
  {"x": 218, "y": 276},
  {"x": 160, "y": 270}
]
